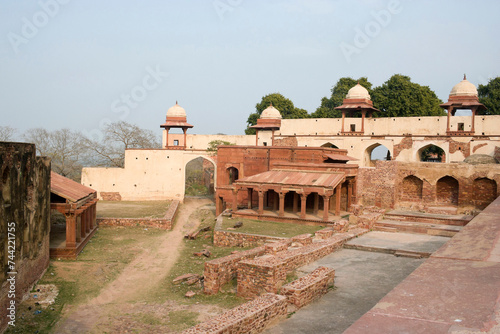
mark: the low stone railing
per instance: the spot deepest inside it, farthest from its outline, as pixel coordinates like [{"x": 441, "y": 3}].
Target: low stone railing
[
  {"x": 165, "y": 223},
  {"x": 251, "y": 317}
]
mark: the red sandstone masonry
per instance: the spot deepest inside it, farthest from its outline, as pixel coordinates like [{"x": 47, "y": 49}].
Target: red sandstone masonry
[
  {"x": 310, "y": 287},
  {"x": 222, "y": 270},
  {"x": 165, "y": 223},
  {"x": 304, "y": 239},
  {"x": 251, "y": 317},
  {"x": 237, "y": 239},
  {"x": 267, "y": 273}
]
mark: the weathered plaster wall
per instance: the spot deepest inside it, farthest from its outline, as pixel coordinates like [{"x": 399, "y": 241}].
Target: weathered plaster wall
[{"x": 24, "y": 201}]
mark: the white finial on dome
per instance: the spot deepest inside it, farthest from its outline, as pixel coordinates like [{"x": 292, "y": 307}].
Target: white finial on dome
[
  {"x": 176, "y": 111},
  {"x": 270, "y": 113},
  {"x": 464, "y": 88},
  {"x": 358, "y": 92}
]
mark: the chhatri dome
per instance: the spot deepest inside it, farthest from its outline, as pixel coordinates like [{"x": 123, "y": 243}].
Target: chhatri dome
[
  {"x": 358, "y": 92},
  {"x": 176, "y": 111},
  {"x": 464, "y": 88},
  {"x": 270, "y": 113}
]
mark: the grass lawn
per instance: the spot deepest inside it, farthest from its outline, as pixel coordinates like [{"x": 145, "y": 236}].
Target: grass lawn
[
  {"x": 274, "y": 229},
  {"x": 101, "y": 261},
  {"x": 132, "y": 209}
]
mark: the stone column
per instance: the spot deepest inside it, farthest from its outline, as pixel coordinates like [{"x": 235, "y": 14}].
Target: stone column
[
  {"x": 281, "y": 212},
  {"x": 256, "y": 137},
  {"x": 363, "y": 114},
  {"x": 448, "y": 119},
  {"x": 185, "y": 143},
  {"x": 166, "y": 144},
  {"x": 326, "y": 205},
  {"x": 250, "y": 192},
  {"x": 87, "y": 219},
  {"x": 235, "y": 200},
  {"x": 337, "y": 199},
  {"x": 473, "y": 119},
  {"x": 83, "y": 222},
  {"x": 303, "y": 202},
  {"x": 343, "y": 117},
  {"x": 349, "y": 195},
  {"x": 261, "y": 202},
  {"x": 79, "y": 230},
  {"x": 70, "y": 230}
]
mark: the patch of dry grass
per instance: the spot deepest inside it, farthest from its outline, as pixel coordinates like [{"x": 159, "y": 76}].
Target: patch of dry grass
[{"x": 132, "y": 209}]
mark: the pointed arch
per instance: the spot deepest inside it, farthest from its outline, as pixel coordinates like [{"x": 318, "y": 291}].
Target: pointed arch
[
  {"x": 447, "y": 190},
  {"x": 431, "y": 153},
  {"x": 485, "y": 192},
  {"x": 329, "y": 145},
  {"x": 380, "y": 154}
]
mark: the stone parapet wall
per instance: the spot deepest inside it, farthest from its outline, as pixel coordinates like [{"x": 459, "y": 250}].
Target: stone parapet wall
[
  {"x": 251, "y": 317},
  {"x": 165, "y": 223},
  {"x": 222, "y": 270},
  {"x": 310, "y": 287}
]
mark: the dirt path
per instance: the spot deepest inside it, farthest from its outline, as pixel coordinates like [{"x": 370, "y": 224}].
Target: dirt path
[{"x": 139, "y": 277}]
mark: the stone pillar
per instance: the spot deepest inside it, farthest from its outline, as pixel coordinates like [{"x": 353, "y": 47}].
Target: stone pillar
[
  {"x": 256, "y": 137},
  {"x": 337, "y": 199},
  {"x": 354, "y": 192},
  {"x": 326, "y": 205},
  {"x": 316, "y": 203},
  {"x": 250, "y": 192},
  {"x": 92, "y": 209},
  {"x": 87, "y": 219},
  {"x": 235, "y": 200},
  {"x": 295, "y": 202},
  {"x": 83, "y": 222},
  {"x": 448, "y": 119},
  {"x": 303, "y": 202},
  {"x": 281, "y": 212},
  {"x": 343, "y": 117},
  {"x": 70, "y": 230},
  {"x": 349, "y": 195},
  {"x": 261, "y": 202},
  {"x": 166, "y": 144},
  {"x": 79, "y": 230},
  {"x": 363, "y": 114},
  {"x": 473, "y": 119},
  {"x": 185, "y": 142}
]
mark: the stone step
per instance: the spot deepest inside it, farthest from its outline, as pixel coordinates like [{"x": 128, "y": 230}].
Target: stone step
[
  {"x": 388, "y": 250},
  {"x": 433, "y": 218},
  {"x": 389, "y": 225}
]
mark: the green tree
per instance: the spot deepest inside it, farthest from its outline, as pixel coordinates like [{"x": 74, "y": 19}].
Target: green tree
[
  {"x": 489, "y": 95},
  {"x": 339, "y": 92},
  {"x": 399, "y": 97},
  {"x": 214, "y": 144},
  {"x": 284, "y": 105}
]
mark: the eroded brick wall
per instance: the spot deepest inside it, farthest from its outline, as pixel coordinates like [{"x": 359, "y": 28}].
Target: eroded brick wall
[
  {"x": 24, "y": 201},
  {"x": 251, "y": 317}
]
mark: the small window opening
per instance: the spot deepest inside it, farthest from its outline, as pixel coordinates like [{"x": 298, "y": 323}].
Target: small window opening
[{"x": 353, "y": 127}]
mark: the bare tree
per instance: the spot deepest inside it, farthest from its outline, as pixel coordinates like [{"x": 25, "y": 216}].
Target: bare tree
[
  {"x": 64, "y": 147},
  {"x": 118, "y": 137},
  {"x": 7, "y": 133}
]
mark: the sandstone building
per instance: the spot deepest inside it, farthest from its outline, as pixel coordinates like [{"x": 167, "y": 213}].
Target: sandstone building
[{"x": 405, "y": 180}]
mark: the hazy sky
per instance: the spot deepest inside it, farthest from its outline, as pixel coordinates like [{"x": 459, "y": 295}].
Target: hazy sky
[{"x": 79, "y": 64}]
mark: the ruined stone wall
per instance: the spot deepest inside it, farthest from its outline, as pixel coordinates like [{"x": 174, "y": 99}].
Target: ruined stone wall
[
  {"x": 422, "y": 185},
  {"x": 251, "y": 317},
  {"x": 165, "y": 223},
  {"x": 24, "y": 221}
]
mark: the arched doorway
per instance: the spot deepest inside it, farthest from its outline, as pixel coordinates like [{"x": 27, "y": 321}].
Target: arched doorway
[
  {"x": 431, "y": 153},
  {"x": 447, "y": 190},
  {"x": 200, "y": 177},
  {"x": 411, "y": 189},
  {"x": 485, "y": 192},
  {"x": 232, "y": 174},
  {"x": 376, "y": 152}
]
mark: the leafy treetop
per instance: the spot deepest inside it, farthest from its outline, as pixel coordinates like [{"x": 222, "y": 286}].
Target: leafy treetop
[
  {"x": 489, "y": 95},
  {"x": 284, "y": 105}
]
